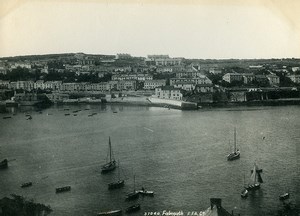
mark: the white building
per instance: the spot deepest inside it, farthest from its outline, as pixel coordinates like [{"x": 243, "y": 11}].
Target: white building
[
  {"x": 168, "y": 92},
  {"x": 152, "y": 84}
]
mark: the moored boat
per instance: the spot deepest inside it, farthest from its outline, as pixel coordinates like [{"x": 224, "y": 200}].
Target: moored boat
[
  {"x": 145, "y": 192},
  {"x": 111, "y": 213},
  {"x": 133, "y": 208},
  {"x": 26, "y": 184},
  {"x": 236, "y": 153},
  {"x": 244, "y": 193},
  {"x": 6, "y": 117},
  {"x": 63, "y": 189},
  {"x": 116, "y": 185},
  {"x": 111, "y": 164},
  {"x": 132, "y": 195},
  {"x": 4, "y": 164},
  {"x": 255, "y": 179},
  {"x": 284, "y": 196}
]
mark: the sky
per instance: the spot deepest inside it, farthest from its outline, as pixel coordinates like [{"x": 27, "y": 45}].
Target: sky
[{"x": 190, "y": 29}]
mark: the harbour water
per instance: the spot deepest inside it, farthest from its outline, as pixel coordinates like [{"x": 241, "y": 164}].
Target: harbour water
[{"x": 180, "y": 155}]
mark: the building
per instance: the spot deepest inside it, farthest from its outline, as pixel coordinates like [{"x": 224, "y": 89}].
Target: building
[
  {"x": 204, "y": 88},
  {"x": 294, "y": 69},
  {"x": 102, "y": 86},
  {"x": 164, "y": 69},
  {"x": 262, "y": 79},
  {"x": 168, "y": 92},
  {"x": 295, "y": 78},
  {"x": 25, "y": 85},
  {"x": 273, "y": 79},
  {"x": 57, "y": 97},
  {"x": 248, "y": 77},
  {"x": 162, "y": 60},
  {"x": 152, "y": 84},
  {"x": 187, "y": 86},
  {"x": 4, "y": 84},
  {"x": 189, "y": 72},
  {"x": 215, "y": 70},
  {"x": 139, "y": 77},
  {"x": 39, "y": 84},
  {"x": 126, "y": 85},
  {"x": 230, "y": 77},
  {"x": 198, "y": 80}
]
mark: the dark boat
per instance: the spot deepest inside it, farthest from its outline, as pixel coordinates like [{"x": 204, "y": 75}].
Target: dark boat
[
  {"x": 255, "y": 179},
  {"x": 133, "y": 208},
  {"x": 133, "y": 195},
  {"x": 63, "y": 189},
  {"x": 4, "y": 164},
  {"x": 111, "y": 213},
  {"x": 111, "y": 165},
  {"x": 284, "y": 196},
  {"x": 236, "y": 153},
  {"x": 115, "y": 185},
  {"x": 67, "y": 114},
  {"x": 26, "y": 184},
  {"x": 29, "y": 118},
  {"x": 6, "y": 117}
]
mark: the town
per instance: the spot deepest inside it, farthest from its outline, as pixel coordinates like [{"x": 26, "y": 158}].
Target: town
[{"x": 79, "y": 77}]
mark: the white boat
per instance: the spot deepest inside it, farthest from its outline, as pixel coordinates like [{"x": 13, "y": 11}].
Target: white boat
[
  {"x": 145, "y": 192},
  {"x": 111, "y": 213}
]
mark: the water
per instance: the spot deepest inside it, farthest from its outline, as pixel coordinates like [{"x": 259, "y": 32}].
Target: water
[{"x": 180, "y": 155}]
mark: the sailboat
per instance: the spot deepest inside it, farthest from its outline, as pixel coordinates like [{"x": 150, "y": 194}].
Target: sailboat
[
  {"x": 255, "y": 179},
  {"x": 118, "y": 184},
  {"x": 111, "y": 165},
  {"x": 244, "y": 192},
  {"x": 236, "y": 153},
  {"x": 4, "y": 164},
  {"x": 133, "y": 195}
]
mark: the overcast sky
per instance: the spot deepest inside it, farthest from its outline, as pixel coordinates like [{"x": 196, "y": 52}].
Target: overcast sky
[{"x": 196, "y": 29}]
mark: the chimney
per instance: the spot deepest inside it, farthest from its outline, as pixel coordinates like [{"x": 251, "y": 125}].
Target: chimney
[{"x": 215, "y": 201}]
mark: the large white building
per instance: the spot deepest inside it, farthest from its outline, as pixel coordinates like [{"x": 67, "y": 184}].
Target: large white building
[{"x": 168, "y": 92}]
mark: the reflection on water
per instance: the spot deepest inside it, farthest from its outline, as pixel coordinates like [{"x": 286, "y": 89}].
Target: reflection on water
[{"x": 180, "y": 155}]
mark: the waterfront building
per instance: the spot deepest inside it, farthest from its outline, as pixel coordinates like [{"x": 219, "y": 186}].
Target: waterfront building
[
  {"x": 39, "y": 84},
  {"x": 126, "y": 85},
  {"x": 152, "y": 84},
  {"x": 168, "y": 92},
  {"x": 102, "y": 86},
  {"x": 53, "y": 85},
  {"x": 25, "y": 85}
]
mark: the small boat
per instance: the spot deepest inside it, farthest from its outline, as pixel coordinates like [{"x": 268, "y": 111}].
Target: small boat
[
  {"x": 111, "y": 165},
  {"x": 63, "y": 189},
  {"x": 26, "y": 184},
  {"x": 66, "y": 109},
  {"x": 67, "y": 114},
  {"x": 74, "y": 114},
  {"x": 111, "y": 213},
  {"x": 133, "y": 208},
  {"x": 133, "y": 195},
  {"x": 284, "y": 196},
  {"x": 236, "y": 153},
  {"x": 6, "y": 117},
  {"x": 115, "y": 185},
  {"x": 4, "y": 164},
  {"x": 255, "y": 179},
  {"x": 244, "y": 193},
  {"x": 145, "y": 192},
  {"x": 115, "y": 112},
  {"x": 29, "y": 118}
]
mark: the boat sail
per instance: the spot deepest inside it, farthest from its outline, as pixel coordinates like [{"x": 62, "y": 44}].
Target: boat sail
[
  {"x": 111, "y": 165},
  {"x": 133, "y": 195},
  {"x": 255, "y": 179},
  {"x": 236, "y": 153},
  {"x": 118, "y": 184}
]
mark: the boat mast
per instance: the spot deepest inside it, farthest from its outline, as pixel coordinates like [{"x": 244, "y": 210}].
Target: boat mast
[
  {"x": 109, "y": 143},
  {"x": 134, "y": 183},
  {"x": 234, "y": 139}
]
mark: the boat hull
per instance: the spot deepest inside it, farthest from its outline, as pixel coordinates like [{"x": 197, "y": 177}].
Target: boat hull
[
  {"x": 233, "y": 156},
  {"x": 284, "y": 196},
  {"x": 27, "y": 184},
  {"x": 132, "y": 196},
  {"x": 116, "y": 185},
  {"x": 63, "y": 189},
  {"x": 4, "y": 164},
  {"x": 145, "y": 193},
  {"x": 253, "y": 187},
  {"x": 133, "y": 208},
  {"x": 108, "y": 167},
  {"x": 111, "y": 213}
]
